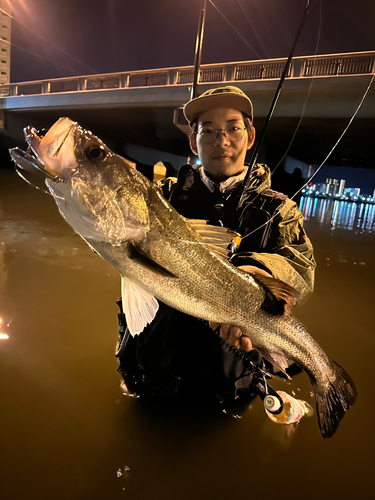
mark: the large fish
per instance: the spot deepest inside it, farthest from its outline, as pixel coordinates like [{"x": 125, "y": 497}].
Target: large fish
[{"x": 161, "y": 255}]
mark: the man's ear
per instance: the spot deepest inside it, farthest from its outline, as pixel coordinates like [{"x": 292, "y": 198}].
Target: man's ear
[
  {"x": 251, "y": 140},
  {"x": 193, "y": 144}
]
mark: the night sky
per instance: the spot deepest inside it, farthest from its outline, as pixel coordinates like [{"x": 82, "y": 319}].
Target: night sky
[{"x": 77, "y": 37}]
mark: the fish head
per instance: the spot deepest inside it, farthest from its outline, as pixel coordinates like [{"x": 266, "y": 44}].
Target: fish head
[{"x": 98, "y": 192}]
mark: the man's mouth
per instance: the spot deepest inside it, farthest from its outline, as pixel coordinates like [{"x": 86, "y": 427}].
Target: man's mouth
[{"x": 222, "y": 157}]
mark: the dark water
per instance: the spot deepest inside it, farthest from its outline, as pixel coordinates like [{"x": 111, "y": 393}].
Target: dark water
[{"x": 67, "y": 432}]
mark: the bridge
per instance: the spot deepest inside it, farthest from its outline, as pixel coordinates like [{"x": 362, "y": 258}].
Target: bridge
[{"x": 137, "y": 113}]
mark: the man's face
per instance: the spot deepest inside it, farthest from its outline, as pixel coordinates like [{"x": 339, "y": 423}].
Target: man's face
[{"x": 222, "y": 158}]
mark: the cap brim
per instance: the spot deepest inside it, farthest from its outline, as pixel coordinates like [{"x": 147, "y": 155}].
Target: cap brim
[{"x": 200, "y": 105}]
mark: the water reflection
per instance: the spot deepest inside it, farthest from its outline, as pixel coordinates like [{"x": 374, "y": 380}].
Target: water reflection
[{"x": 357, "y": 217}]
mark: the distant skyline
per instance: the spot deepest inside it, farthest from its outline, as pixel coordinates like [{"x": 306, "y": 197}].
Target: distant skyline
[
  {"x": 355, "y": 177},
  {"x": 76, "y": 37}
]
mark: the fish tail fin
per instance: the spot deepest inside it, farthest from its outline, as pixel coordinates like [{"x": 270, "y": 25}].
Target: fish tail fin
[{"x": 333, "y": 401}]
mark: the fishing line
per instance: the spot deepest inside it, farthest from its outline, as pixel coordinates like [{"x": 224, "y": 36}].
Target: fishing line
[
  {"x": 272, "y": 108},
  {"x": 326, "y": 158},
  {"x": 252, "y": 27},
  {"x": 308, "y": 92},
  {"x": 18, "y": 170},
  {"x": 238, "y": 33},
  {"x": 341, "y": 136},
  {"x": 48, "y": 41},
  {"x": 45, "y": 58}
]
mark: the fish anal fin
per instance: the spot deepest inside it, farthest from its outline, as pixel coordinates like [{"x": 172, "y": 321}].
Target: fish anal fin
[
  {"x": 280, "y": 297},
  {"x": 139, "y": 306},
  {"x": 277, "y": 359}
]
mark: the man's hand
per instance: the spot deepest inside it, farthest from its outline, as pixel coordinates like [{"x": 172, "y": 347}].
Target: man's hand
[{"x": 232, "y": 334}]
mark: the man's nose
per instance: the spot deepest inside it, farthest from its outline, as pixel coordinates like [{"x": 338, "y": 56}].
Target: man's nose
[{"x": 221, "y": 138}]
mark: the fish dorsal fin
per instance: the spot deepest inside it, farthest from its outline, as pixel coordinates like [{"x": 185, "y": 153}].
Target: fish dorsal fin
[
  {"x": 280, "y": 297},
  {"x": 218, "y": 239},
  {"x": 139, "y": 306}
]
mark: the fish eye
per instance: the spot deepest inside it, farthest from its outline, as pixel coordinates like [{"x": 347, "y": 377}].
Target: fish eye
[{"x": 95, "y": 153}]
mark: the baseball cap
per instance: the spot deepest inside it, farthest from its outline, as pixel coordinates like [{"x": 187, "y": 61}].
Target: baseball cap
[{"x": 222, "y": 97}]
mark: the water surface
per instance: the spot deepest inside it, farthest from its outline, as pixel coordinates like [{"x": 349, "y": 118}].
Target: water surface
[{"x": 67, "y": 432}]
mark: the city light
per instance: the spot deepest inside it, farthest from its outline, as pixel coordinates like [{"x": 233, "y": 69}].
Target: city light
[{"x": 336, "y": 189}]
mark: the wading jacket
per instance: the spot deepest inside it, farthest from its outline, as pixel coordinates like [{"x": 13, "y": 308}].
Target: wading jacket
[{"x": 178, "y": 354}]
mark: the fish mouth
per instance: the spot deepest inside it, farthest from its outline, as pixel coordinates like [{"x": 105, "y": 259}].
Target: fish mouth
[
  {"x": 28, "y": 162},
  {"x": 54, "y": 138},
  {"x": 42, "y": 154}
]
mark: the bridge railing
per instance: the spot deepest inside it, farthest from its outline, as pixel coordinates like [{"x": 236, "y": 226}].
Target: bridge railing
[{"x": 333, "y": 65}]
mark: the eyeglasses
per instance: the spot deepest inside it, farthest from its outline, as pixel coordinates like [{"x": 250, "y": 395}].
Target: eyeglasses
[{"x": 233, "y": 132}]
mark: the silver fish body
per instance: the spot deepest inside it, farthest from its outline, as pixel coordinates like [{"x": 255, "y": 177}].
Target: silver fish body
[{"x": 161, "y": 255}]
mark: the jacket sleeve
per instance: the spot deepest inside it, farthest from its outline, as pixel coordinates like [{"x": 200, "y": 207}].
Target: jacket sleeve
[{"x": 289, "y": 257}]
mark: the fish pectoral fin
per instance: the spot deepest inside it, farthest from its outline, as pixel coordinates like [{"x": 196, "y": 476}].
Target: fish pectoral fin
[
  {"x": 139, "y": 306},
  {"x": 219, "y": 239}
]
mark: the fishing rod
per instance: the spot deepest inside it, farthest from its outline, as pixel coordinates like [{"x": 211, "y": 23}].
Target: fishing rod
[
  {"x": 198, "y": 50},
  {"x": 272, "y": 108}
]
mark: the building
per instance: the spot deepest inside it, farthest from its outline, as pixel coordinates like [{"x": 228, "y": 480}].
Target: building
[
  {"x": 341, "y": 187},
  {"x": 352, "y": 192},
  {"x": 5, "y": 32},
  {"x": 332, "y": 186}
]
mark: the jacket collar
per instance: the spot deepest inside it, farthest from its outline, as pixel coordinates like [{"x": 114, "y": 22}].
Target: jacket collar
[
  {"x": 256, "y": 185},
  {"x": 223, "y": 186}
]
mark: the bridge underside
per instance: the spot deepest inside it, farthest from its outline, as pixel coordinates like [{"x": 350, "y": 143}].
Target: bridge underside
[{"x": 154, "y": 128}]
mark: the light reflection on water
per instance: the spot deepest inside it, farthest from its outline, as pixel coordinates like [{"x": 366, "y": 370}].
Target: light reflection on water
[
  {"x": 357, "y": 217},
  {"x": 66, "y": 426}
]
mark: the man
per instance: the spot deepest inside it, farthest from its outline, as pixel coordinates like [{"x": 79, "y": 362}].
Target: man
[{"x": 179, "y": 354}]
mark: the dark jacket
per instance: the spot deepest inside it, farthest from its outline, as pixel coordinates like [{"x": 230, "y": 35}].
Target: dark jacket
[
  {"x": 180, "y": 354},
  {"x": 269, "y": 222}
]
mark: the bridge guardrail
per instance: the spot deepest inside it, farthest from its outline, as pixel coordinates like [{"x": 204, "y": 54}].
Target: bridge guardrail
[{"x": 349, "y": 64}]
